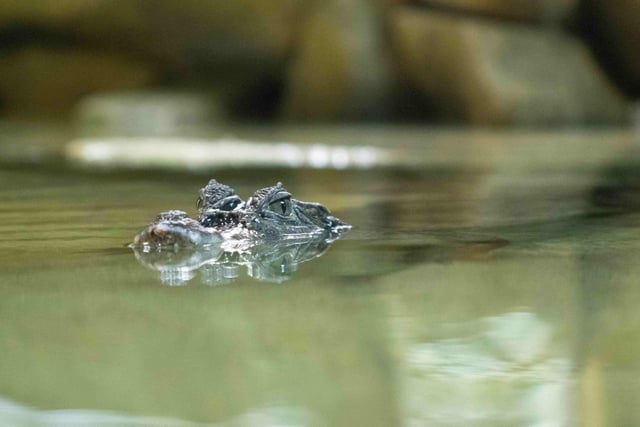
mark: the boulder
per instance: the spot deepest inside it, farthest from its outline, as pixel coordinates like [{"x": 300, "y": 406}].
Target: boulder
[
  {"x": 501, "y": 74},
  {"x": 339, "y": 69},
  {"x": 541, "y": 11},
  {"x": 147, "y": 114},
  {"x": 236, "y": 49},
  {"x": 48, "y": 82},
  {"x": 614, "y": 28},
  {"x": 213, "y": 31}
]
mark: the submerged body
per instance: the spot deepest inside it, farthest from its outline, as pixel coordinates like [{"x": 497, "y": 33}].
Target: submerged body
[{"x": 269, "y": 214}]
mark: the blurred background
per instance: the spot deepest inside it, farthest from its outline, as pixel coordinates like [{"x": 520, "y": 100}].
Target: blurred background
[{"x": 479, "y": 62}]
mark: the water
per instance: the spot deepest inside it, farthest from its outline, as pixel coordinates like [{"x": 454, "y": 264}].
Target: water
[{"x": 466, "y": 294}]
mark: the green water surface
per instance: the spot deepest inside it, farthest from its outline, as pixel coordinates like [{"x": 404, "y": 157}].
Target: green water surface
[{"x": 492, "y": 294}]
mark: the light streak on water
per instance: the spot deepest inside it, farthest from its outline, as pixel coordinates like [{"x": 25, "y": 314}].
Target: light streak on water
[{"x": 226, "y": 152}]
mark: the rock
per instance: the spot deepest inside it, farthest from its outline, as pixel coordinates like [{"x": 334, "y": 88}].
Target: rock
[
  {"x": 614, "y": 28},
  {"x": 212, "y": 31},
  {"x": 542, "y": 11},
  {"x": 498, "y": 73},
  {"x": 44, "y": 12},
  {"x": 147, "y": 114},
  {"x": 235, "y": 49},
  {"x": 48, "y": 82},
  {"x": 339, "y": 70}
]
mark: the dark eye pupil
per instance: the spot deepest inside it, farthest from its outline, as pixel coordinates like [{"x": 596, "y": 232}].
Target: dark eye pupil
[{"x": 281, "y": 207}]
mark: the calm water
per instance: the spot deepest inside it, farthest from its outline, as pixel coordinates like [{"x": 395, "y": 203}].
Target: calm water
[{"x": 488, "y": 294}]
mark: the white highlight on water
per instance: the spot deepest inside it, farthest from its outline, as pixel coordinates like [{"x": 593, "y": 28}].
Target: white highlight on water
[{"x": 224, "y": 152}]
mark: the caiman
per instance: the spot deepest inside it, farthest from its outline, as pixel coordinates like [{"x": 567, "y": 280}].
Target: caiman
[{"x": 269, "y": 215}]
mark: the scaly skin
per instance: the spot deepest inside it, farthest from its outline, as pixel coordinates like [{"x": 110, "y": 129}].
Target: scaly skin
[
  {"x": 269, "y": 214},
  {"x": 175, "y": 229}
]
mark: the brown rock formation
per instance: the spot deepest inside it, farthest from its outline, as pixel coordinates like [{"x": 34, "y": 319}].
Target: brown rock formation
[
  {"x": 339, "y": 70},
  {"x": 48, "y": 82},
  {"x": 543, "y": 11},
  {"x": 501, "y": 73}
]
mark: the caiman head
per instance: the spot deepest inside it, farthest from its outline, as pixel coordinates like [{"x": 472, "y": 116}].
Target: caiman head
[{"x": 270, "y": 213}]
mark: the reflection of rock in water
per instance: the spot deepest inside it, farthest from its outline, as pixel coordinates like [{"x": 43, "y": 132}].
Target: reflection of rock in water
[
  {"x": 493, "y": 371},
  {"x": 16, "y": 414},
  {"x": 272, "y": 262}
]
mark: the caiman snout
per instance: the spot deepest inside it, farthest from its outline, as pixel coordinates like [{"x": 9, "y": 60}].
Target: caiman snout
[
  {"x": 319, "y": 215},
  {"x": 335, "y": 224},
  {"x": 173, "y": 229}
]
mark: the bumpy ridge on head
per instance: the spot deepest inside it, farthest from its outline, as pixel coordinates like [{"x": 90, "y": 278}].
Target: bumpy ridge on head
[
  {"x": 264, "y": 193},
  {"x": 213, "y": 192}
]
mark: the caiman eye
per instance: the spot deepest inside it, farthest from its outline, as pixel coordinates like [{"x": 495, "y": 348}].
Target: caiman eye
[
  {"x": 230, "y": 205},
  {"x": 281, "y": 207}
]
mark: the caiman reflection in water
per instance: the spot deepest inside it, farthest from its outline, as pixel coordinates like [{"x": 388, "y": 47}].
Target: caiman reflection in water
[
  {"x": 270, "y": 262},
  {"x": 271, "y": 233}
]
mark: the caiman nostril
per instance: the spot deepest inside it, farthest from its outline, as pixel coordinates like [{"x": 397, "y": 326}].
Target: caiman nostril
[{"x": 332, "y": 222}]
